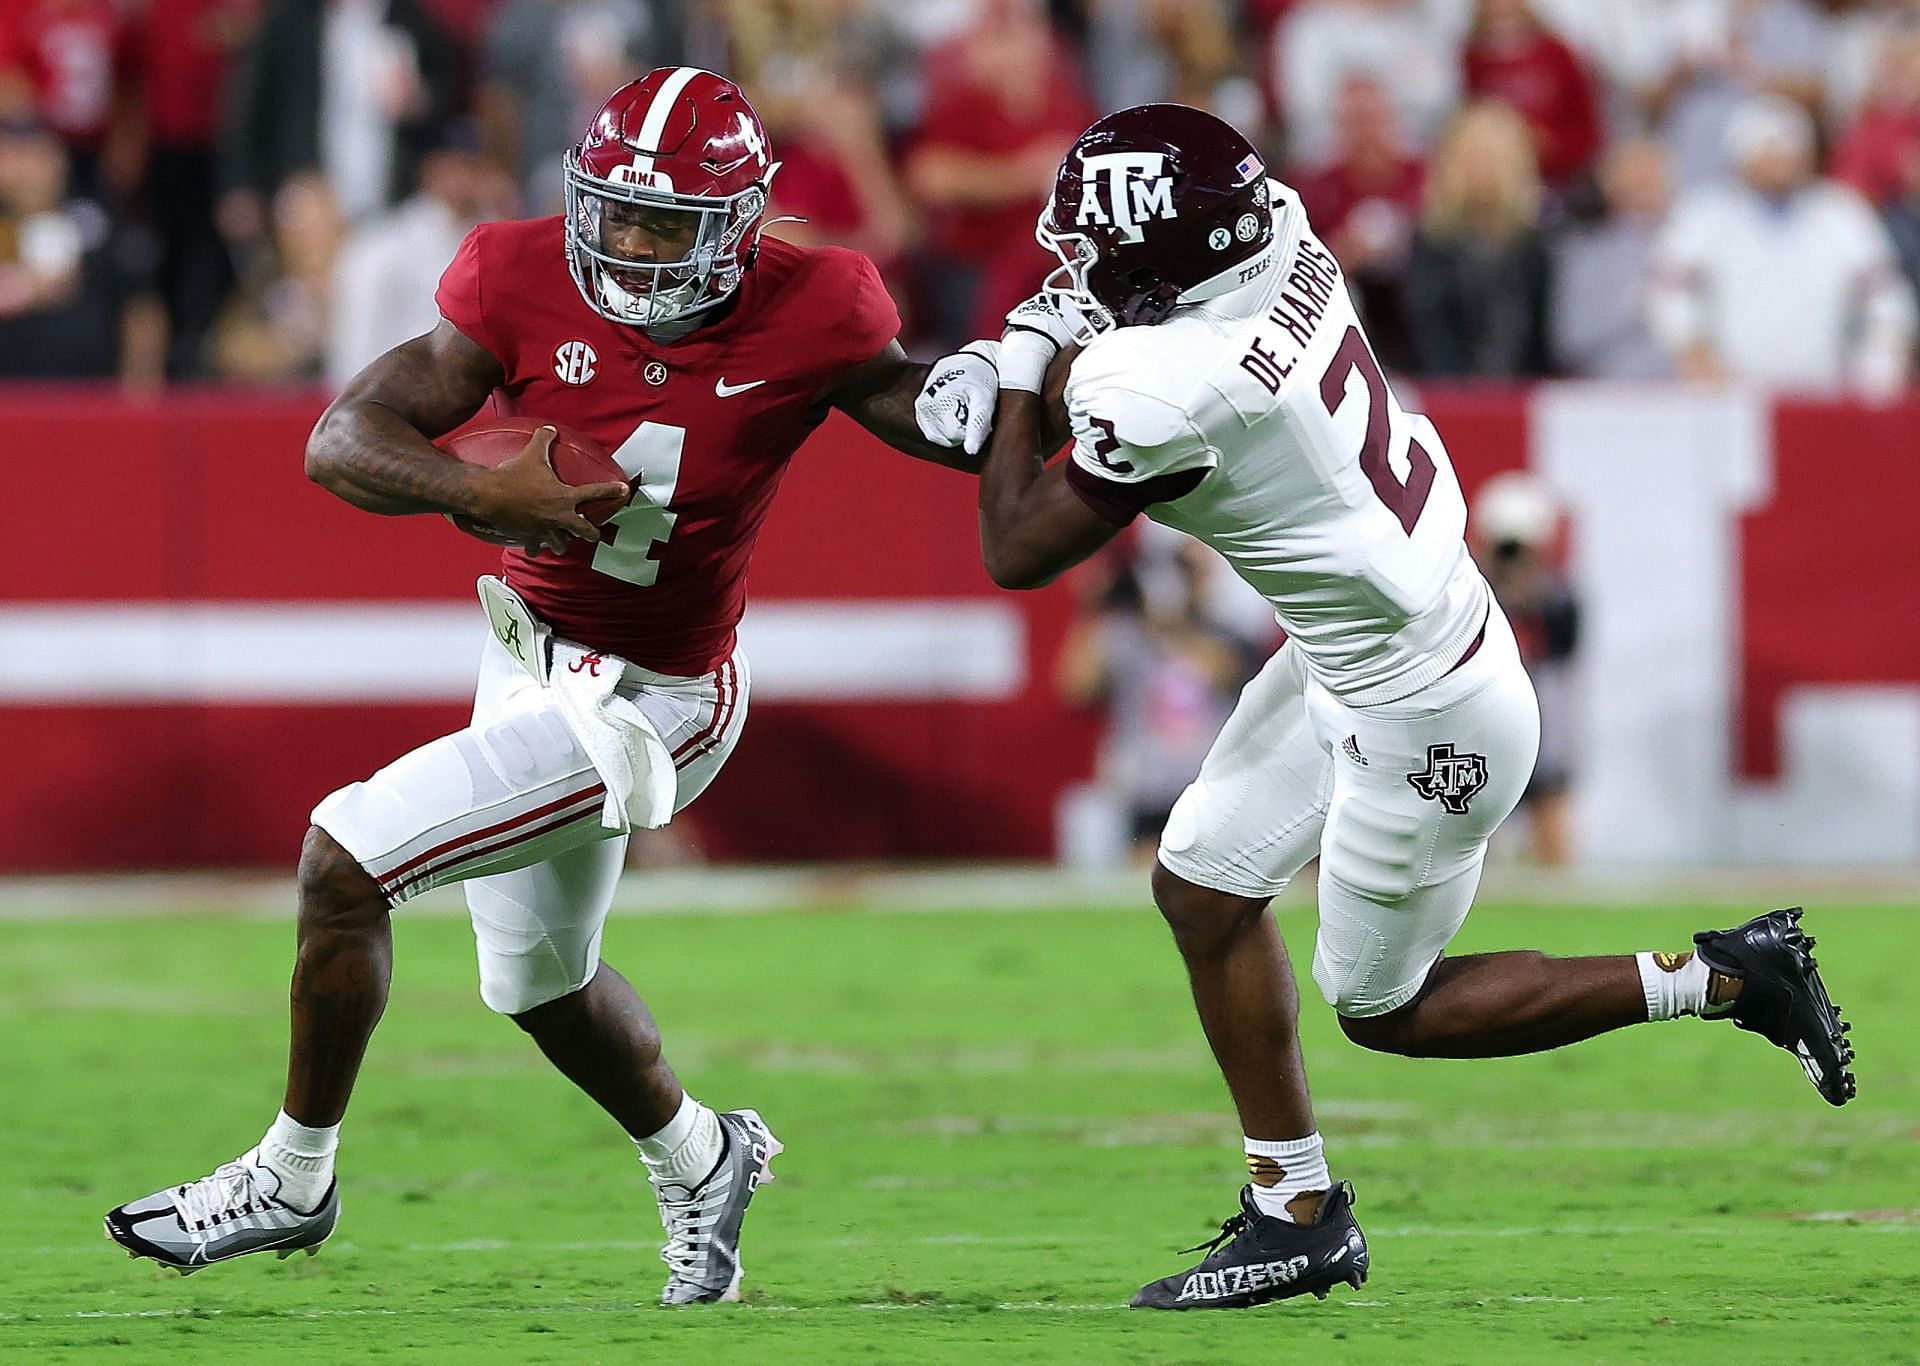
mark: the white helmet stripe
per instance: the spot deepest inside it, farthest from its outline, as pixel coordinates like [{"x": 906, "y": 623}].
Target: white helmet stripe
[{"x": 655, "y": 122}]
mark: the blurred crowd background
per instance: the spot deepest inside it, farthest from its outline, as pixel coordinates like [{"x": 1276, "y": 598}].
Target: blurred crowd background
[
  {"x": 264, "y": 191},
  {"x": 1165, "y": 635}
]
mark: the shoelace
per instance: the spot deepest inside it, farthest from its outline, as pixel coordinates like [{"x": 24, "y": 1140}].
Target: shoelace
[
  {"x": 689, "y": 1219},
  {"x": 1229, "y": 1230},
  {"x": 227, "y": 1194},
  {"x": 687, "y": 1231}
]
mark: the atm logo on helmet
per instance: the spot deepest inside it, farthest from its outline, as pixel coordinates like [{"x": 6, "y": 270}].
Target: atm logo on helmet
[{"x": 1135, "y": 186}]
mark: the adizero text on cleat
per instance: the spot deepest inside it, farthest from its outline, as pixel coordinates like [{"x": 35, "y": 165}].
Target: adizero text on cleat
[
  {"x": 230, "y": 1213},
  {"x": 1257, "y": 1258},
  {"x": 1782, "y": 998},
  {"x": 702, "y": 1252}
]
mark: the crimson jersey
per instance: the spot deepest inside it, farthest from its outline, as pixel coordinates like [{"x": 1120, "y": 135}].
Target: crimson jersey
[{"x": 704, "y": 426}]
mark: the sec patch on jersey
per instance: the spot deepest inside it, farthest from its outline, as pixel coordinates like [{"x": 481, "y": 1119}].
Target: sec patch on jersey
[{"x": 576, "y": 457}]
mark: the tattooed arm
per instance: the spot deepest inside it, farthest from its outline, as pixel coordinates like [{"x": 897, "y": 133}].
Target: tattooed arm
[
  {"x": 879, "y": 395},
  {"x": 373, "y": 446}
]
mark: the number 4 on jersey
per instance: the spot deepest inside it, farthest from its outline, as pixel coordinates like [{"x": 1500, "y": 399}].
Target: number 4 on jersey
[{"x": 651, "y": 460}]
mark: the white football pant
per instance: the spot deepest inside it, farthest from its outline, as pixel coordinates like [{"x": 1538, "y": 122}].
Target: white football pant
[
  {"x": 1398, "y": 800},
  {"x": 512, "y": 807}
]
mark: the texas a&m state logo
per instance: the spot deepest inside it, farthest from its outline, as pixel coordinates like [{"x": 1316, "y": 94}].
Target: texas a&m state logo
[{"x": 1450, "y": 779}]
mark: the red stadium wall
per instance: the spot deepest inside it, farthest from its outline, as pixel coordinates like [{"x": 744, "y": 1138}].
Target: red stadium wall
[
  {"x": 1830, "y": 567},
  {"x": 197, "y": 499},
  {"x": 201, "y": 499}
]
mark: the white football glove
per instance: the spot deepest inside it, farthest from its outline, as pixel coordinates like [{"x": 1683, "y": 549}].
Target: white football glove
[
  {"x": 1037, "y": 331},
  {"x": 955, "y": 405}
]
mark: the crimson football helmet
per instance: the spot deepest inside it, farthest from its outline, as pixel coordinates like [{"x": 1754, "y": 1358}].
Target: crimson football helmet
[
  {"x": 677, "y": 144},
  {"x": 1155, "y": 206}
]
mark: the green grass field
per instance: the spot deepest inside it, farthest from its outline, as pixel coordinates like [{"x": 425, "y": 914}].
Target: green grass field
[{"x": 997, "y": 1125}]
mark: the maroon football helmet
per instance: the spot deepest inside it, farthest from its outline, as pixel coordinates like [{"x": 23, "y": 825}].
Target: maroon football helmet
[
  {"x": 680, "y": 156},
  {"x": 1155, "y": 206}
]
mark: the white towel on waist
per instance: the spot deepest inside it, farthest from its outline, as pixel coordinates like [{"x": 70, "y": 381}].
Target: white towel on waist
[{"x": 626, "y": 750}]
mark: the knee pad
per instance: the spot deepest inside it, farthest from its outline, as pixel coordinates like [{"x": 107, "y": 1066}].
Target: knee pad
[
  {"x": 1344, "y": 958},
  {"x": 522, "y": 965},
  {"x": 1362, "y": 971},
  {"x": 515, "y": 985}
]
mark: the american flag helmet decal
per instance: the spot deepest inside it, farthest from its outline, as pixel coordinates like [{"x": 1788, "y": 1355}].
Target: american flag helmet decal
[{"x": 1250, "y": 167}]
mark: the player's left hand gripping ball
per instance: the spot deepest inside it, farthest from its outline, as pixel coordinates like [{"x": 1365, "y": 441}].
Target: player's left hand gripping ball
[{"x": 955, "y": 405}]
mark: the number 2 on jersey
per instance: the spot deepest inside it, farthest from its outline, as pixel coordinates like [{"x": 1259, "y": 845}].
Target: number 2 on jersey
[
  {"x": 1404, "y": 501},
  {"x": 650, "y": 458}
]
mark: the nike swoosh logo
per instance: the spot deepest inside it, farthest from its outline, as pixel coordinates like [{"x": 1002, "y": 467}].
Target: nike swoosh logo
[{"x": 723, "y": 389}]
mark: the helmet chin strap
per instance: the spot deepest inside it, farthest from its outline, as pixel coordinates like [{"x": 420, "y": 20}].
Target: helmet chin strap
[{"x": 1086, "y": 316}]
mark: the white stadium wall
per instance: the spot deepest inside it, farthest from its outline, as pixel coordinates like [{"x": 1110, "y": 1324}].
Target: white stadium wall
[{"x": 1658, "y": 485}]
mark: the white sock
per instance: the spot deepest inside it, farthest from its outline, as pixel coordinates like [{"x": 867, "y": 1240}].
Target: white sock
[
  {"x": 1675, "y": 984},
  {"x": 1283, "y": 1169},
  {"x": 302, "y": 1157},
  {"x": 685, "y": 1149}
]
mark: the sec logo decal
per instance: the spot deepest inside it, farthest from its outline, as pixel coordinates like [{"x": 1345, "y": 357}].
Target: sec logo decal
[{"x": 575, "y": 362}]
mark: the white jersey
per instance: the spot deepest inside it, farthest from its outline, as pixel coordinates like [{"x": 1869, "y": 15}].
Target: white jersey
[{"x": 1338, "y": 506}]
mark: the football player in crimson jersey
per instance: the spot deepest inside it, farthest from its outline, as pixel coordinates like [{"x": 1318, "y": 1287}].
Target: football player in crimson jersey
[
  {"x": 654, "y": 317},
  {"x": 1218, "y": 381}
]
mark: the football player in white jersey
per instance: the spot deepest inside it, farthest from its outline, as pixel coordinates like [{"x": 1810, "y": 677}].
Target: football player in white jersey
[{"x": 1226, "y": 388}]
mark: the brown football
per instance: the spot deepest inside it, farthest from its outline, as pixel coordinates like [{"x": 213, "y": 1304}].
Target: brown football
[{"x": 577, "y": 459}]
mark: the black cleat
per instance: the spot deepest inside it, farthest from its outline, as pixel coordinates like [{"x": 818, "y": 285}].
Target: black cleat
[
  {"x": 1782, "y": 998},
  {"x": 1257, "y": 1258}
]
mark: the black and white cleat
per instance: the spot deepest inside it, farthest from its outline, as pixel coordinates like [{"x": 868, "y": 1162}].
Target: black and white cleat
[
  {"x": 1257, "y": 1258},
  {"x": 232, "y": 1212},
  {"x": 1782, "y": 998}
]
